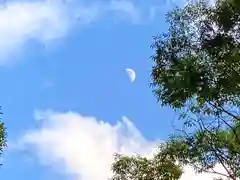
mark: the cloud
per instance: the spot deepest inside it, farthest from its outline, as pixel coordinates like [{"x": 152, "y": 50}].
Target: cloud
[
  {"x": 84, "y": 145},
  {"x": 23, "y": 21},
  {"x": 128, "y": 8},
  {"x": 189, "y": 173},
  {"x": 48, "y": 20}
]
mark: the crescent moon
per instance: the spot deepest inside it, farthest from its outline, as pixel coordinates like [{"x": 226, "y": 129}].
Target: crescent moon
[{"x": 131, "y": 74}]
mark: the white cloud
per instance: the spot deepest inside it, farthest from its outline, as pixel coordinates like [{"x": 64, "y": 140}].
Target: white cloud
[
  {"x": 128, "y": 8},
  {"x": 189, "y": 173},
  {"x": 45, "y": 21},
  {"x": 22, "y": 21},
  {"x": 85, "y": 145}
]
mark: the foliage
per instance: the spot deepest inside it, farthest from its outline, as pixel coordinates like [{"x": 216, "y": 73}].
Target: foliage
[
  {"x": 3, "y": 135},
  {"x": 199, "y": 56},
  {"x": 141, "y": 168},
  {"x": 206, "y": 148},
  {"x": 197, "y": 69}
]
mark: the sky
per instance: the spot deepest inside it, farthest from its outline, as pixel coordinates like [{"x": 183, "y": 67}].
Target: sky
[{"x": 67, "y": 102}]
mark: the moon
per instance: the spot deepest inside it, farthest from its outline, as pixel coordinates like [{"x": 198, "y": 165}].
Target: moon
[{"x": 131, "y": 74}]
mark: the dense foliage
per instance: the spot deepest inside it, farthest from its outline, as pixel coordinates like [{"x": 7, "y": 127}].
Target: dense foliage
[
  {"x": 3, "y": 135},
  {"x": 137, "y": 167},
  {"x": 198, "y": 58}
]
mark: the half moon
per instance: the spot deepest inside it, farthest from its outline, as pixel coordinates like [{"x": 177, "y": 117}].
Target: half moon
[{"x": 131, "y": 74}]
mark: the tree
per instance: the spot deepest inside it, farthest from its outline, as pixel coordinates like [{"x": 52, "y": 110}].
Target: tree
[
  {"x": 3, "y": 135},
  {"x": 197, "y": 70},
  {"x": 205, "y": 149},
  {"x": 142, "y": 168},
  {"x": 198, "y": 59}
]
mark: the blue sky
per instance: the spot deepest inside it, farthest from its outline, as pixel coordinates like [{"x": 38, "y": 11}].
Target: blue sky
[{"x": 68, "y": 103}]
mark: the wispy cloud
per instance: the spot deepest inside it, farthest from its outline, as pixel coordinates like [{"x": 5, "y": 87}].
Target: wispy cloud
[
  {"x": 126, "y": 7},
  {"x": 85, "y": 146},
  {"x": 22, "y": 21},
  {"x": 45, "y": 21}
]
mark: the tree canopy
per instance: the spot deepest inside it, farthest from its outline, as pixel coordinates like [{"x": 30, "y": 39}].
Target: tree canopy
[
  {"x": 3, "y": 135},
  {"x": 197, "y": 67},
  {"x": 197, "y": 71},
  {"x": 198, "y": 58},
  {"x": 137, "y": 167}
]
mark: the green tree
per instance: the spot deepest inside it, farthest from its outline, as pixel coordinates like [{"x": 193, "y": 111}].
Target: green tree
[
  {"x": 2, "y": 137},
  {"x": 198, "y": 58},
  {"x": 142, "y": 168},
  {"x": 206, "y": 148},
  {"x": 197, "y": 70}
]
